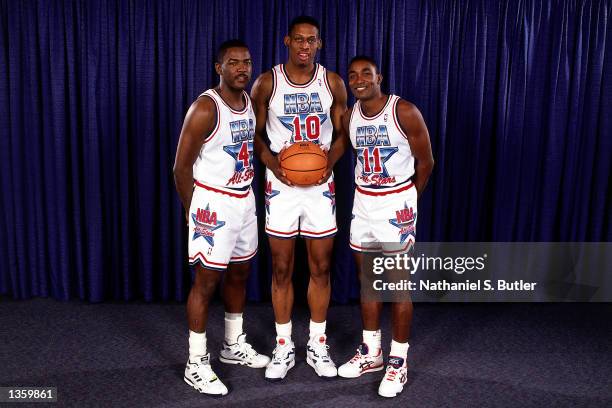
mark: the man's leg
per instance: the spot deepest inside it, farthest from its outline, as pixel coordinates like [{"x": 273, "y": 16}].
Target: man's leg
[
  {"x": 369, "y": 353},
  {"x": 236, "y": 350},
  {"x": 283, "y": 356},
  {"x": 202, "y": 291},
  {"x": 198, "y": 373},
  {"x": 283, "y": 254},
  {"x": 319, "y": 290},
  {"x": 401, "y": 317}
]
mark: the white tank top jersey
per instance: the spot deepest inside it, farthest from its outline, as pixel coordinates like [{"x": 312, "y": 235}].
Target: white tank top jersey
[
  {"x": 298, "y": 113},
  {"x": 384, "y": 158},
  {"x": 226, "y": 158}
]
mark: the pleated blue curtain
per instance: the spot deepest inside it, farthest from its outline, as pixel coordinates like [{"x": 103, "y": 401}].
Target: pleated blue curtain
[{"x": 517, "y": 97}]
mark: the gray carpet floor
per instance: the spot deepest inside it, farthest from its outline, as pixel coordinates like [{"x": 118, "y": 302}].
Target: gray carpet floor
[{"x": 461, "y": 355}]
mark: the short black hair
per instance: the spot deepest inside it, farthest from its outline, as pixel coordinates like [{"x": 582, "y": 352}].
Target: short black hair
[
  {"x": 367, "y": 59},
  {"x": 233, "y": 43},
  {"x": 304, "y": 20}
]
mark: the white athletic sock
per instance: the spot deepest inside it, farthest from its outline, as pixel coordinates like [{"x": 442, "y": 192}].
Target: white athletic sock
[
  {"x": 284, "y": 329},
  {"x": 233, "y": 327},
  {"x": 197, "y": 345},
  {"x": 317, "y": 328},
  {"x": 372, "y": 339},
  {"x": 399, "y": 349}
]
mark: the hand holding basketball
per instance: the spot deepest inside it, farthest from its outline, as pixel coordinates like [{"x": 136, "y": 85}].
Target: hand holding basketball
[{"x": 304, "y": 163}]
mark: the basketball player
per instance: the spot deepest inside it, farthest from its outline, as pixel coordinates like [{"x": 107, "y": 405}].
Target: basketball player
[
  {"x": 394, "y": 161},
  {"x": 299, "y": 101},
  {"x": 213, "y": 172}
]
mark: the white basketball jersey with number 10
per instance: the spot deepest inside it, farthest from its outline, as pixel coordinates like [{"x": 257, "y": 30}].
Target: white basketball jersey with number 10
[{"x": 298, "y": 113}]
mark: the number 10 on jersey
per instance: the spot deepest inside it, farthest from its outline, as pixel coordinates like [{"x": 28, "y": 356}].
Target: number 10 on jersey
[{"x": 308, "y": 130}]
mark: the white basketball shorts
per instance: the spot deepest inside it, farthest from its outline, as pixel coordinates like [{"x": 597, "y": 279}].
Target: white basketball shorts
[
  {"x": 306, "y": 211},
  {"x": 222, "y": 227},
  {"x": 384, "y": 222}
]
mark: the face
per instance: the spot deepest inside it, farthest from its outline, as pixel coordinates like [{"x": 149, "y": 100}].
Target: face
[
  {"x": 363, "y": 80},
  {"x": 303, "y": 43},
  {"x": 236, "y": 67}
]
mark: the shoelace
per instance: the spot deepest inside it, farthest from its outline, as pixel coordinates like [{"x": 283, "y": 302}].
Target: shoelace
[
  {"x": 204, "y": 368},
  {"x": 356, "y": 357},
  {"x": 321, "y": 350},
  {"x": 391, "y": 373},
  {"x": 248, "y": 350},
  {"x": 278, "y": 355}
]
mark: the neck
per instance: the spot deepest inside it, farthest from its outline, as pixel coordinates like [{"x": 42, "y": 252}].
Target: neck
[
  {"x": 233, "y": 97},
  {"x": 299, "y": 73},
  {"x": 374, "y": 105}
]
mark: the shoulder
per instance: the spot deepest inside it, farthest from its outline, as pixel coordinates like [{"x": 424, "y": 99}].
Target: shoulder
[
  {"x": 335, "y": 81},
  {"x": 263, "y": 85},
  {"x": 406, "y": 110},
  {"x": 204, "y": 105},
  {"x": 264, "y": 80}
]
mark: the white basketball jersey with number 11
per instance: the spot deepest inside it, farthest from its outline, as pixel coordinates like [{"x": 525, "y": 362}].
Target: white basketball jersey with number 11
[{"x": 298, "y": 113}]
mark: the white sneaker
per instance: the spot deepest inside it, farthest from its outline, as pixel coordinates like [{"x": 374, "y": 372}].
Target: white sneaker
[
  {"x": 242, "y": 353},
  {"x": 283, "y": 359},
  {"x": 200, "y": 376},
  {"x": 317, "y": 356},
  {"x": 361, "y": 363},
  {"x": 395, "y": 378}
]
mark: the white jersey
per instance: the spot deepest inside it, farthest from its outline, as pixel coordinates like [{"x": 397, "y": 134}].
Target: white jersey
[
  {"x": 226, "y": 158},
  {"x": 299, "y": 113},
  {"x": 384, "y": 159}
]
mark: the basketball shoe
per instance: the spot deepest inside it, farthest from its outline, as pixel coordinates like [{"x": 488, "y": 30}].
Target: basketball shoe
[
  {"x": 283, "y": 359},
  {"x": 200, "y": 376},
  {"x": 361, "y": 363}
]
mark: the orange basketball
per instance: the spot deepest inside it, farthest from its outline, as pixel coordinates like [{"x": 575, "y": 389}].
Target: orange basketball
[{"x": 304, "y": 163}]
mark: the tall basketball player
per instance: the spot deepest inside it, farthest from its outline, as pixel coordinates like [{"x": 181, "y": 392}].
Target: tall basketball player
[
  {"x": 220, "y": 209},
  {"x": 299, "y": 101},
  {"x": 394, "y": 161}
]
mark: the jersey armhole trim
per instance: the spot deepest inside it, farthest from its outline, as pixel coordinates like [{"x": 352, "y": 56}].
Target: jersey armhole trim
[
  {"x": 396, "y": 118},
  {"x": 218, "y": 122},
  {"x": 274, "y": 81}
]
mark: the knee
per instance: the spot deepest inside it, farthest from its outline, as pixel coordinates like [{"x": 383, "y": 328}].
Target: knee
[
  {"x": 237, "y": 275},
  {"x": 320, "y": 271},
  {"x": 282, "y": 271},
  {"x": 205, "y": 288}
]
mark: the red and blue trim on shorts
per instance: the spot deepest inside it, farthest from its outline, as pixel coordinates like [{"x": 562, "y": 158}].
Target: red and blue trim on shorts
[
  {"x": 305, "y": 234},
  {"x": 201, "y": 259}
]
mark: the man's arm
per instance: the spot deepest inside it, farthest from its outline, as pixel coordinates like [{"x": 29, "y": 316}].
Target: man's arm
[
  {"x": 260, "y": 95},
  {"x": 413, "y": 125},
  {"x": 340, "y": 140},
  {"x": 199, "y": 122}
]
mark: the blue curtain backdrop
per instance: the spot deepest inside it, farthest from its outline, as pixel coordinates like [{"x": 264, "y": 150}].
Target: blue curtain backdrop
[{"x": 517, "y": 97}]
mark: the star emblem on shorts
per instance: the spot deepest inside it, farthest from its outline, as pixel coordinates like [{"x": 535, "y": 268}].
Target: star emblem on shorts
[
  {"x": 287, "y": 122},
  {"x": 205, "y": 224},
  {"x": 332, "y": 197},
  {"x": 404, "y": 220},
  {"x": 268, "y": 196}
]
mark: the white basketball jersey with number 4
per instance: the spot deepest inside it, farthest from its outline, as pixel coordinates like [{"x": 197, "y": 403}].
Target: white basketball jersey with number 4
[
  {"x": 226, "y": 158},
  {"x": 298, "y": 113}
]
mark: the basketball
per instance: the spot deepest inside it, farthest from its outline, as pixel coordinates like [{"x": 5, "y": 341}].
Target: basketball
[{"x": 304, "y": 163}]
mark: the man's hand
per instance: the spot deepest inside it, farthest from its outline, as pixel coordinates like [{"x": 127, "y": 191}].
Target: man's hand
[
  {"x": 275, "y": 167},
  {"x": 328, "y": 170}
]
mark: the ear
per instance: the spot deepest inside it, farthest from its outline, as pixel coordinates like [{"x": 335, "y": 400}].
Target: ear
[
  {"x": 320, "y": 44},
  {"x": 218, "y": 68},
  {"x": 379, "y": 79},
  {"x": 286, "y": 40}
]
